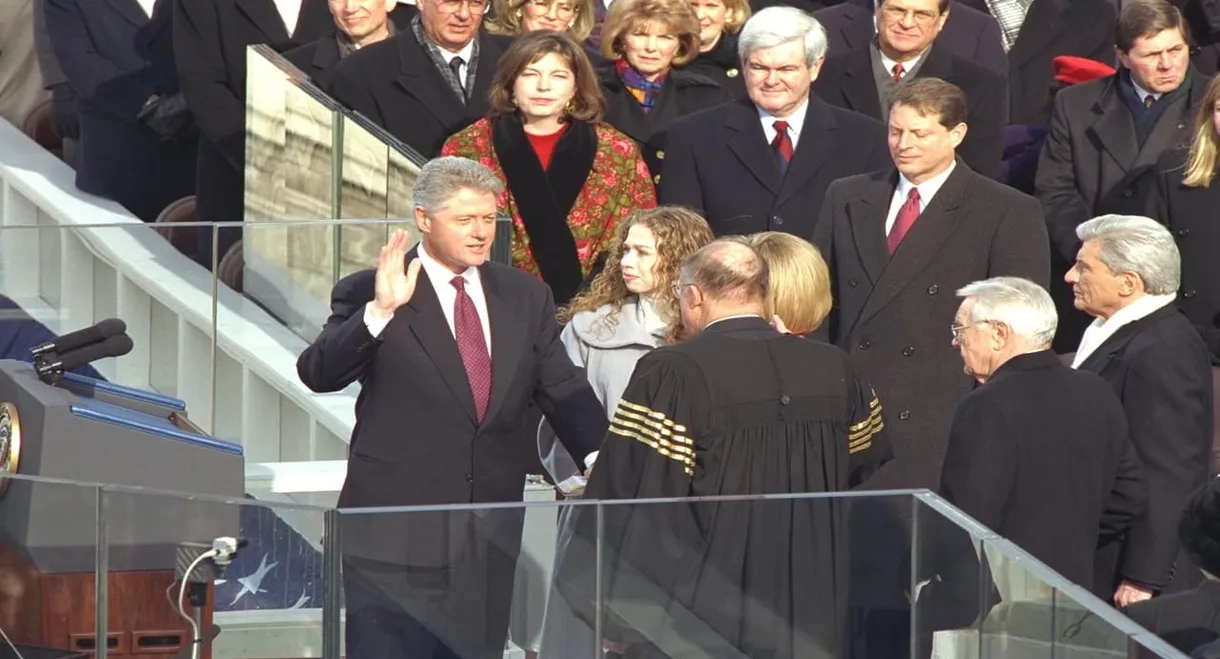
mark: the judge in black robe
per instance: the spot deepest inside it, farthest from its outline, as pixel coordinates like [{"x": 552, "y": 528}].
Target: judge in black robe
[{"x": 739, "y": 409}]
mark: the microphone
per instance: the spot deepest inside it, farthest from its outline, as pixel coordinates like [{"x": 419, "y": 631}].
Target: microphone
[
  {"x": 115, "y": 346},
  {"x": 81, "y": 338}
]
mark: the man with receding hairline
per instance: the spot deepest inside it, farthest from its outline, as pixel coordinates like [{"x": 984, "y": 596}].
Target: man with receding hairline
[{"x": 738, "y": 409}]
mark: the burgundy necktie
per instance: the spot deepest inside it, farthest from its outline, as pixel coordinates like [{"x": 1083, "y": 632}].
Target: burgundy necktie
[
  {"x": 905, "y": 220},
  {"x": 472, "y": 345},
  {"x": 897, "y": 72},
  {"x": 782, "y": 145}
]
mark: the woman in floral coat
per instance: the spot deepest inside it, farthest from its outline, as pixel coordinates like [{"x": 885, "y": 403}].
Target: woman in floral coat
[{"x": 570, "y": 179}]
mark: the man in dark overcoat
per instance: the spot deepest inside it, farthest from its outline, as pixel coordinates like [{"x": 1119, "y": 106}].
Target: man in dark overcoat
[{"x": 898, "y": 244}]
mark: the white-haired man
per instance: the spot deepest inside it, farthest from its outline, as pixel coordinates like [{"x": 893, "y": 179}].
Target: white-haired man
[
  {"x": 1040, "y": 452},
  {"x": 763, "y": 163},
  {"x": 1126, "y": 276}
]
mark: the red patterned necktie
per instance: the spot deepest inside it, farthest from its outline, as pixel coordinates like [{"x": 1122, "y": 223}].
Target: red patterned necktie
[
  {"x": 905, "y": 220},
  {"x": 897, "y": 71},
  {"x": 782, "y": 145},
  {"x": 472, "y": 345}
]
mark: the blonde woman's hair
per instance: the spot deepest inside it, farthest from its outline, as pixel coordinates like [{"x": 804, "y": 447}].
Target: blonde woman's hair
[
  {"x": 799, "y": 291},
  {"x": 508, "y": 19},
  {"x": 678, "y": 232},
  {"x": 1205, "y": 147},
  {"x": 625, "y": 15}
]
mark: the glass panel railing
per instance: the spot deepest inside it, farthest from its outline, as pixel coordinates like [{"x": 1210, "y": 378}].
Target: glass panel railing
[
  {"x": 244, "y": 577},
  {"x": 56, "y": 597},
  {"x": 1020, "y": 607}
]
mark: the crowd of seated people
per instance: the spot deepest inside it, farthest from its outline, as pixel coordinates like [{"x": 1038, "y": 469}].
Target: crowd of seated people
[{"x": 914, "y": 146}]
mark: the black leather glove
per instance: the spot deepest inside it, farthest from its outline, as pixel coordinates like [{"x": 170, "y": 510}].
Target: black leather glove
[
  {"x": 64, "y": 120},
  {"x": 168, "y": 117}
]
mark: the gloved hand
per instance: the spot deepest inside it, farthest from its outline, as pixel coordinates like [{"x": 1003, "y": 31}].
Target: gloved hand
[
  {"x": 64, "y": 120},
  {"x": 167, "y": 116}
]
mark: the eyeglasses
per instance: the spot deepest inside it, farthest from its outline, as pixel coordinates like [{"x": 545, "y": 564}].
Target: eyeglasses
[
  {"x": 898, "y": 14},
  {"x": 958, "y": 329},
  {"x": 676, "y": 289},
  {"x": 454, "y": 6}
]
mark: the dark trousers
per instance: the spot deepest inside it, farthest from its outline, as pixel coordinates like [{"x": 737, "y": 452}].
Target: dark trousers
[
  {"x": 379, "y": 628},
  {"x": 219, "y": 197}
]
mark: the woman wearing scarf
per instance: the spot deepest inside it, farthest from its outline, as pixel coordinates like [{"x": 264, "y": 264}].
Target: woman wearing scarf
[
  {"x": 569, "y": 178},
  {"x": 719, "y": 23},
  {"x": 644, "y": 40}
]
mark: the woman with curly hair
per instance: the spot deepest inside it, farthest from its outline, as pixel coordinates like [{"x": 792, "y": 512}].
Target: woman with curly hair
[{"x": 627, "y": 310}]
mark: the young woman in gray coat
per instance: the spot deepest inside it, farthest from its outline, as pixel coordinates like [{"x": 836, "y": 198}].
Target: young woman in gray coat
[{"x": 628, "y": 309}]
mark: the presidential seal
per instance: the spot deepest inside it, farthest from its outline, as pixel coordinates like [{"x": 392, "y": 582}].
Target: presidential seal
[{"x": 10, "y": 443}]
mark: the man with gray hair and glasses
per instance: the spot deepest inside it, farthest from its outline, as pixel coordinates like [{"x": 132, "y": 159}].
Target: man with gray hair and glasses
[
  {"x": 739, "y": 409},
  {"x": 449, "y": 349},
  {"x": 1126, "y": 277},
  {"x": 763, "y": 163},
  {"x": 1039, "y": 453}
]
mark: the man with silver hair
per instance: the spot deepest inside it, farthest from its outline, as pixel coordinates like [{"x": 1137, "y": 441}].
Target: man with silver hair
[
  {"x": 1039, "y": 453},
  {"x": 1126, "y": 276},
  {"x": 763, "y": 163},
  {"x": 450, "y": 349}
]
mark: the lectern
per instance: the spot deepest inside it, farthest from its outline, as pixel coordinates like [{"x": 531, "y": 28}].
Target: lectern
[{"x": 98, "y": 432}]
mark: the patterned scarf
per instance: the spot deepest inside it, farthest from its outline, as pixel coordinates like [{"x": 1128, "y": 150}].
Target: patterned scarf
[{"x": 644, "y": 91}]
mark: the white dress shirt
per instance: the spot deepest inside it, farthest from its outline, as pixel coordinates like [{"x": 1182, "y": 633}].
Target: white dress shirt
[
  {"x": 927, "y": 190},
  {"x": 1100, "y": 330},
  {"x": 795, "y": 121},
  {"x": 906, "y": 67},
  {"x": 1144, "y": 93},
  {"x": 290, "y": 12},
  {"x": 147, "y": 6},
  {"x": 465, "y": 53},
  {"x": 440, "y": 276}
]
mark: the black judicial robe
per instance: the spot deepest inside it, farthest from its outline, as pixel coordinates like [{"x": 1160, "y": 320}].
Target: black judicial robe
[{"x": 738, "y": 410}]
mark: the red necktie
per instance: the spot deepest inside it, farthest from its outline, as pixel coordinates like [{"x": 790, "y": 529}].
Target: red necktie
[
  {"x": 782, "y": 145},
  {"x": 472, "y": 345},
  {"x": 905, "y": 220},
  {"x": 898, "y": 71}
]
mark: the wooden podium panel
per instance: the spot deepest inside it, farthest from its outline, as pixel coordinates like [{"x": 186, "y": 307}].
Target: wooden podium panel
[{"x": 59, "y": 611}]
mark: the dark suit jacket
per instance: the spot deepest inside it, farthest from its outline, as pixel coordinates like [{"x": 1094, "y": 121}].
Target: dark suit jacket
[
  {"x": 318, "y": 58},
  {"x": 210, "y": 40},
  {"x": 416, "y": 440},
  {"x": 847, "y": 80},
  {"x": 1161, "y": 372},
  {"x": 1187, "y": 620},
  {"x": 720, "y": 164},
  {"x": 1092, "y": 163},
  {"x": 683, "y": 93},
  {"x": 396, "y": 85},
  {"x": 115, "y": 57},
  {"x": 893, "y": 315},
  {"x": 970, "y": 33},
  {"x": 1040, "y": 454},
  {"x": 1190, "y": 214},
  {"x": 1084, "y": 28}
]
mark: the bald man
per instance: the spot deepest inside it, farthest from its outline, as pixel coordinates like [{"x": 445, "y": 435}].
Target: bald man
[{"x": 739, "y": 409}]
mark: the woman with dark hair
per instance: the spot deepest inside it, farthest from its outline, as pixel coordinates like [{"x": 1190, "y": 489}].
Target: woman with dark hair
[
  {"x": 1186, "y": 199},
  {"x": 570, "y": 179}
]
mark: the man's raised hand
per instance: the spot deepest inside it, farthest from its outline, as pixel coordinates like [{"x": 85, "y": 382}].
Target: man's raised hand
[{"x": 395, "y": 284}]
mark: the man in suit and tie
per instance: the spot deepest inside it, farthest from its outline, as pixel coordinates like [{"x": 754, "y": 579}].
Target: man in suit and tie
[
  {"x": 763, "y": 163},
  {"x": 967, "y": 33},
  {"x": 428, "y": 82},
  {"x": 898, "y": 244},
  {"x": 1034, "y": 33},
  {"x": 210, "y": 41},
  {"x": 1126, "y": 277},
  {"x": 450, "y": 350},
  {"x": 907, "y": 48},
  {"x": 358, "y": 23},
  {"x": 1106, "y": 136},
  {"x": 140, "y": 141}
]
